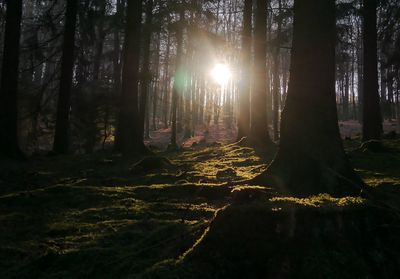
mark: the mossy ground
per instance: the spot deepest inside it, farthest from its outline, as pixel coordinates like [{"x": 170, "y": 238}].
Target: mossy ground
[{"x": 93, "y": 217}]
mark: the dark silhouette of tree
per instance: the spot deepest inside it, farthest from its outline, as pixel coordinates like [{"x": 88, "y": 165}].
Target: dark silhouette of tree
[
  {"x": 61, "y": 137},
  {"x": 129, "y": 138},
  {"x": 244, "y": 102},
  {"x": 145, "y": 73},
  {"x": 179, "y": 78},
  {"x": 276, "y": 76},
  {"x": 9, "y": 82},
  {"x": 372, "y": 117},
  {"x": 311, "y": 157},
  {"x": 259, "y": 125}
]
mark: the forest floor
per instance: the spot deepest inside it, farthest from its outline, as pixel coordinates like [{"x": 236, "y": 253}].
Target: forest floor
[{"x": 105, "y": 216}]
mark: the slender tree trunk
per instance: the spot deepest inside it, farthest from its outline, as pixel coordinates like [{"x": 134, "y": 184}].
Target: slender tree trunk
[
  {"x": 146, "y": 78},
  {"x": 9, "y": 145},
  {"x": 166, "y": 95},
  {"x": 116, "y": 73},
  {"x": 99, "y": 42},
  {"x": 202, "y": 99},
  {"x": 372, "y": 117},
  {"x": 130, "y": 139},
  {"x": 311, "y": 158},
  {"x": 178, "y": 81},
  {"x": 390, "y": 94},
  {"x": 156, "y": 86},
  {"x": 259, "y": 122},
  {"x": 244, "y": 99},
  {"x": 61, "y": 137},
  {"x": 276, "y": 76},
  {"x": 360, "y": 76},
  {"x": 346, "y": 95}
]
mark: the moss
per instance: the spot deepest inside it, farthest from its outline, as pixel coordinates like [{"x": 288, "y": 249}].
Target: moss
[
  {"x": 88, "y": 216},
  {"x": 322, "y": 200}
]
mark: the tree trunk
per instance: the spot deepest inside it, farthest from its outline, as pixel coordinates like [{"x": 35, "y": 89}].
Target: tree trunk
[
  {"x": 277, "y": 85},
  {"x": 244, "y": 99},
  {"x": 178, "y": 81},
  {"x": 146, "y": 76},
  {"x": 311, "y": 158},
  {"x": 9, "y": 145},
  {"x": 156, "y": 86},
  {"x": 129, "y": 138},
  {"x": 61, "y": 137},
  {"x": 259, "y": 124},
  {"x": 166, "y": 95},
  {"x": 372, "y": 117}
]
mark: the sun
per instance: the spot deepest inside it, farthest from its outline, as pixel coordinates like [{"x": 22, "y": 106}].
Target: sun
[{"x": 221, "y": 74}]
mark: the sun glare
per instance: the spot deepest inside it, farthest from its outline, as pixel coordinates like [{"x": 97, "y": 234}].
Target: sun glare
[{"x": 221, "y": 74}]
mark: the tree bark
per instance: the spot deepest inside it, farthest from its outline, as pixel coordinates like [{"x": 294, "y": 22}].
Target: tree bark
[
  {"x": 244, "y": 99},
  {"x": 146, "y": 75},
  {"x": 311, "y": 158},
  {"x": 9, "y": 145},
  {"x": 61, "y": 137},
  {"x": 276, "y": 76},
  {"x": 130, "y": 140},
  {"x": 259, "y": 122},
  {"x": 372, "y": 117},
  {"x": 178, "y": 81}
]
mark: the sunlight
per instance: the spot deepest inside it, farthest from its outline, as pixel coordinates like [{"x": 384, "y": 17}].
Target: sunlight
[{"x": 221, "y": 74}]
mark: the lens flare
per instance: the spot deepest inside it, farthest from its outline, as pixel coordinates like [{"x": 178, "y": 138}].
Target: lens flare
[{"x": 221, "y": 74}]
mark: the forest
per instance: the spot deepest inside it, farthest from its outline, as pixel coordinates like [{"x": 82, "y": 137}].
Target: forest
[{"x": 199, "y": 139}]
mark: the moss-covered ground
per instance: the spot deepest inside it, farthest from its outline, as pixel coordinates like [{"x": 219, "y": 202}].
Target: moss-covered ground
[{"x": 104, "y": 216}]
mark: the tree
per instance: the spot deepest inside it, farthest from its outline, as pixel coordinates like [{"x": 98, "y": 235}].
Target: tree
[
  {"x": 259, "y": 125},
  {"x": 179, "y": 77},
  {"x": 9, "y": 82},
  {"x": 372, "y": 117},
  {"x": 244, "y": 103},
  {"x": 311, "y": 157},
  {"x": 129, "y": 138},
  {"x": 61, "y": 138},
  {"x": 146, "y": 75},
  {"x": 276, "y": 77}
]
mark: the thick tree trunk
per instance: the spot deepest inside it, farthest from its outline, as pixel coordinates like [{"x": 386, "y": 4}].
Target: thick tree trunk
[
  {"x": 129, "y": 137},
  {"x": 372, "y": 117},
  {"x": 61, "y": 137},
  {"x": 244, "y": 99},
  {"x": 311, "y": 158},
  {"x": 9, "y": 146},
  {"x": 259, "y": 124}
]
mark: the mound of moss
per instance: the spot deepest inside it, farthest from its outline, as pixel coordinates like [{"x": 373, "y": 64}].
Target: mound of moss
[{"x": 287, "y": 237}]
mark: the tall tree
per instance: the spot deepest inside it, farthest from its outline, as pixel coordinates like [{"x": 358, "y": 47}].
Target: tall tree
[
  {"x": 146, "y": 75},
  {"x": 276, "y": 74},
  {"x": 244, "y": 101},
  {"x": 128, "y": 133},
  {"x": 179, "y": 79},
  {"x": 61, "y": 138},
  {"x": 259, "y": 125},
  {"x": 372, "y": 117},
  {"x": 9, "y": 81},
  {"x": 311, "y": 157}
]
